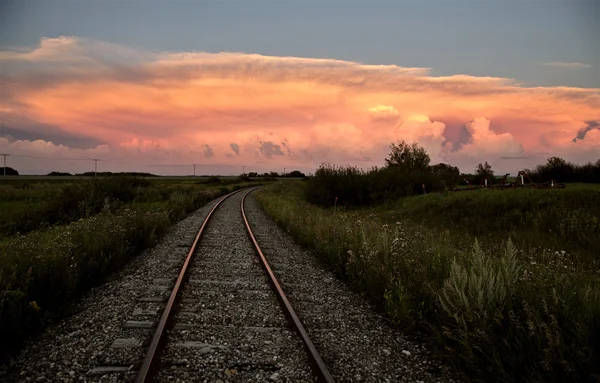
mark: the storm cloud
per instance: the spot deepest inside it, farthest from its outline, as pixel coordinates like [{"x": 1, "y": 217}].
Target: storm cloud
[{"x": 74, "y": 97}]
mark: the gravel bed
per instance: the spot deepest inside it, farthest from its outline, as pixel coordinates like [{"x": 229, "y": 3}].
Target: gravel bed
[
  {"x": 230, "y": 326},
  {"x": 355, "y": 342},
  {"x": 70, "y": 349}
]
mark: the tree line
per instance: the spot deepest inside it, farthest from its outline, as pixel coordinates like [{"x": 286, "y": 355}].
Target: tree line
[
  {"x": 408, "y": 171},
  {"x": 292, "y": 174}
]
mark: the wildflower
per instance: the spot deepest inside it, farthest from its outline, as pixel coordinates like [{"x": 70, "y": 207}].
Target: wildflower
[{"x": 34, "y": 306}]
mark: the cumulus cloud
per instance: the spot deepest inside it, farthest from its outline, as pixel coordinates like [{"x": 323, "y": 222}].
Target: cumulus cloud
[
  {"x": 286, "y": 111},
  {"x": 484, "y": 145}
]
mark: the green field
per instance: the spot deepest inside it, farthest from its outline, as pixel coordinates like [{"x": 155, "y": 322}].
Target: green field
[
  {"x": 502, "y": 283},
  {"x": 59, "y": 238}
]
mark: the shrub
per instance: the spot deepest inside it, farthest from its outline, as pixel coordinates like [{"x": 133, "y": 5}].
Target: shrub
[
  {"x": 212, "y": 180},
  {"x": 355, "y": 187}
]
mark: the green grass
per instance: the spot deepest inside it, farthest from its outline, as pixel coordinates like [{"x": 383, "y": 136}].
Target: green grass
[
  {"x": 60, "y": 239},
  {"x": 473, "y": 273},
  {"x": 562, "y": 219},
  {"x": 36, "y": 205}
]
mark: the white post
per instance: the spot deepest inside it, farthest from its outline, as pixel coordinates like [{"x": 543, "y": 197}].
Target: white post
[
  {"x": 486, "y": 182},
  {"x": 522, "y": 181}
]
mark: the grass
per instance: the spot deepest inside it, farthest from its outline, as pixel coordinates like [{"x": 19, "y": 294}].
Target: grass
[
  {"x": 503, "y": 284},
  {"x": 34, "y": 205},
  {"x": 564, "y": 219},
  {"x": 60, "y": 239}
]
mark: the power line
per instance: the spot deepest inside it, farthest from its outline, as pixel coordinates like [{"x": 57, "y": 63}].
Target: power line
[{"x": 96, "y": 160}]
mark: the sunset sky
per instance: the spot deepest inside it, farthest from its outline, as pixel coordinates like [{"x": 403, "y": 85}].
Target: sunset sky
[{"x": 156, "y": 85}]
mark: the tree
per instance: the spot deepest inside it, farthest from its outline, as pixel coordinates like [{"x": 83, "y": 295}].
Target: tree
[
  {"x": 9, "y": 171},
  {"x": 407, "y": 157},
  {"x": 556, "y": 162},
  {"x": 484, "y": 171},
  {"x": 59, "y": 174},
  {"x": 557, "y": 169},
  {"x": 296, "y": 174},
  {"x": 447, "y": 173}
]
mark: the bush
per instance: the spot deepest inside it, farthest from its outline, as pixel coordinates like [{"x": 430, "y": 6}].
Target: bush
[
  {"x": 212, "y": 180},
  {"x": 242, "y": 178},
  {"x": 295, "y": 174},
  {"x": 354, "y": 187}
]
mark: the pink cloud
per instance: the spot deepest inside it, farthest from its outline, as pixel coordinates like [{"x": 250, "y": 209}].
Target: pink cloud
[{"x": 228, "y": 109}]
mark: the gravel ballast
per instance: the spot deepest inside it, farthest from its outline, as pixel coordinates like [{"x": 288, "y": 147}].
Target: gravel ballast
[
  {"x": 97, "y": 334},
  {"x": 354, "y": 341},
  {"x": 230, "y": 326}
]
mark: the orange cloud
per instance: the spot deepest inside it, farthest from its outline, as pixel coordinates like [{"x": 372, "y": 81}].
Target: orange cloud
[{"x": 228, "y": 109}]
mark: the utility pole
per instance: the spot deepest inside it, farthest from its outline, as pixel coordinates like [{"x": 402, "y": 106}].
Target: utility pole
[
  {"x": 243, "y": 170},
  {"x": 95, "y": 167},
  {"x": 194, "y": 170},
  {"x": 4, "y": 155},
  {"x": 284, "y": 172}
]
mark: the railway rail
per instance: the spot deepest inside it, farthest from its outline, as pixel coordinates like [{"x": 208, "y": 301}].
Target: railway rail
[{"x": 227, "y": 316}]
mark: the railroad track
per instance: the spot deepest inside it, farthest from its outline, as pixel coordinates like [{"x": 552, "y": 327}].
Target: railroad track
[{"x": 227, "y": 317}]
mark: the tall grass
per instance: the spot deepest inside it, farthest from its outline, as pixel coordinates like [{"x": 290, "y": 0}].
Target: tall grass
[
  {"x": 41, "y": 205},
  {"x": 497, "y": 313},
  {"x": 42, "y": 271},
  {"x": 565, "y": 219},
  {"x": 45, "y": 204}
]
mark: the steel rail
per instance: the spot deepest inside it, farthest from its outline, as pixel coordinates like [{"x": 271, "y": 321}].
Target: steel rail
[
  {"x": 319, "y": 368},
  {"x": 152, "y": 357}
]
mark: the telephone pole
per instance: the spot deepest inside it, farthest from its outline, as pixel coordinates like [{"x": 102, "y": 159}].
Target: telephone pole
[
  {"x": 284, "y": 172},
  {"x": 95, "y": 167},
  {"x": 194, "y": 170},
  {"x": 4, "y": 155},
  {"x": 243, "y": 170}
]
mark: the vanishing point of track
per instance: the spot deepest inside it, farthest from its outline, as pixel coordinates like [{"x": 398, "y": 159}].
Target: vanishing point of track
[{"x": 152, "y": 360}]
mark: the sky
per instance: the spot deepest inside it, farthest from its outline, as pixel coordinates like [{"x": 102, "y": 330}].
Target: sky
[{"x": 160, "y": 85}]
